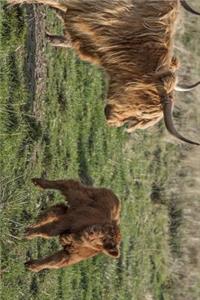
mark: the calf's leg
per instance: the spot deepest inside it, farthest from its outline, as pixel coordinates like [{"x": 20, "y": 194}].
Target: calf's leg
[
  {"x": 55, "y": 261},
  {"x": 49, "y": 230},
  {"x": 51, "y": 215},
  {"x": 62, "y": 259},
  {"x": 64, "y": 186},
  {"x": 54, "y": 184},
  {"x": 75, "y": 192}
]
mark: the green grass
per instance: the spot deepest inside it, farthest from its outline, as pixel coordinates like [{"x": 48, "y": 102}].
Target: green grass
[{"x": 71, "y": 140}]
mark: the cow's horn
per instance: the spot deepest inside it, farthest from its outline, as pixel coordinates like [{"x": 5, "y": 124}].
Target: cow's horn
[
  {"x": 167, "y": 112},
  {"x": 186, "y": 88},
  {"x": 188, "y": 8}
]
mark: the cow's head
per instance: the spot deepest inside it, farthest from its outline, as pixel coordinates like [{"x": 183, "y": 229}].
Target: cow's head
[{"x": 143, "y": 103}]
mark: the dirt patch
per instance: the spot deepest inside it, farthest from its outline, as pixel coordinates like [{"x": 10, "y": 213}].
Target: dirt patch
[{"x": 36, "y": 71}]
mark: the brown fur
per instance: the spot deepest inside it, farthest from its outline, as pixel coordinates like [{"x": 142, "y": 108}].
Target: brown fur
[
  {"x": 86, "y": 227},
  {"x": 133, "y": 41}
]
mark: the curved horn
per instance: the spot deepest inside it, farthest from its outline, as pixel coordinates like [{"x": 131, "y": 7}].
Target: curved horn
[
  {"x": 186, "y": 88},
  {"x": 167, "y": 112},
  {"x": 188, "y": 8}
]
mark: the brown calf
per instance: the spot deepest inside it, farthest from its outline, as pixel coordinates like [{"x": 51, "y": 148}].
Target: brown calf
[{"x": 88, "y": 225}]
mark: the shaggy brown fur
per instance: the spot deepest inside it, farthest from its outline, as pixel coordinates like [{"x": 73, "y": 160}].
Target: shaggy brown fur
[
  {"x": 133, "y": 41},
  {"x": 86, "y": 227}
]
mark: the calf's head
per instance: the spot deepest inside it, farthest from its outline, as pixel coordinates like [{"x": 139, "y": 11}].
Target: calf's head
[{"x": 111, "y": 240}]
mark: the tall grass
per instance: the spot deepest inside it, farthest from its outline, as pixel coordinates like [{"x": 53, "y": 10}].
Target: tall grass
[{"x": 60, "y": 132}]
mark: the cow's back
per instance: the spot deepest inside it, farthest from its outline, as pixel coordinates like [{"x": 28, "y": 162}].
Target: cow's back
[{"x": 118, "y": 32}]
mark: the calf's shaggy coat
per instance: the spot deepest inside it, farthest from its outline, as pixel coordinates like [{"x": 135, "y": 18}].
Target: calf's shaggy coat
[
  {"x": 132, "y": 40},
  {"x": 87, "y": 226}
]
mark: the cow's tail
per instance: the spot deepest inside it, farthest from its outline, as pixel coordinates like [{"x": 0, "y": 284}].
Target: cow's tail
[{"x": 51, "y": 3}]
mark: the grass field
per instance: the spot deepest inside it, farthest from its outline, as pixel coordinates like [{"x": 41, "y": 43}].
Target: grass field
[{"x": 53, "y": 125}]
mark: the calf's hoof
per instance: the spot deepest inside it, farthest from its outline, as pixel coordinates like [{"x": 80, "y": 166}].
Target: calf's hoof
[
  {"x": 38, "y": 182},
  {"x": 31, "y": 266},
  {"x": 29, "y": 233}
]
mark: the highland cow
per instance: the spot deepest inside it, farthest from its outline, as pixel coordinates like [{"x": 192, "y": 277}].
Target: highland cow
[
  {"x": 132, "y": 40},
  {"x": 88, "y": 225}
]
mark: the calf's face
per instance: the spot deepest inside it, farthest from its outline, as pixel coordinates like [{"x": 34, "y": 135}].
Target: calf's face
[
  {"x": 111, "y": 240},
  {"x": 110, "y": 248}
]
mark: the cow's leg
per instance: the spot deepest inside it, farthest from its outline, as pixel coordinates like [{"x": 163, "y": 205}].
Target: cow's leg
[
  {"x": 51, "y": 3},
  {"x": 55, "y": 261},
  {"x": 60, "y": 14},
  {"x": 50, "y": 215},
  {"x": 84, "y": 54},
  {"x": 63, "y": 41}
]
